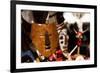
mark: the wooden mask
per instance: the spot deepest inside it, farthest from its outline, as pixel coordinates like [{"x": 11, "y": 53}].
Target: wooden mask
[{"x": 45, "y": 38}]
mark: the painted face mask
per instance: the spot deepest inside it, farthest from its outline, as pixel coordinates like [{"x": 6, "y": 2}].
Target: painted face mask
[
  {"x": 45, "y": 38},
  {"x": 63, "y": 41}
]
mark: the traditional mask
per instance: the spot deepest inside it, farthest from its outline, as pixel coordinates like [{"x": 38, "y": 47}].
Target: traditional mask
[
  {"x": 63, "y": 41},
  {"x": 63, "y": 38},
  {"x": 44, "y": 38}
]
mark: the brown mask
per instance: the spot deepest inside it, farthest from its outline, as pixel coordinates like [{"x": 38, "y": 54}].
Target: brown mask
[{"x": 44, "y": 38}]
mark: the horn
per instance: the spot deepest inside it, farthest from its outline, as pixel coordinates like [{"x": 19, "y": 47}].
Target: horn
[
  {"x": 27, "y": 15},
  {"x": 47, "y": 19}
]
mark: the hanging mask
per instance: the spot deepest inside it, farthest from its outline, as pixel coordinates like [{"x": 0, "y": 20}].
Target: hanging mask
[
  {"x": 44, "y": 38},
  {"x": 63, "y": 41}
]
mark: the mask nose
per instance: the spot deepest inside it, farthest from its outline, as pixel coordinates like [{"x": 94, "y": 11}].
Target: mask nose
[{"x": 47, "y": 40}]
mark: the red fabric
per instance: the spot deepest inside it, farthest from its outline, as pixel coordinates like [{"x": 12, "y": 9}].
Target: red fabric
[
  {"x": 79, "y": 42},
  {"x": 58, "y": 52},
  {"x": 59, "y": 59},
  {"x": 57, "y": 56}
]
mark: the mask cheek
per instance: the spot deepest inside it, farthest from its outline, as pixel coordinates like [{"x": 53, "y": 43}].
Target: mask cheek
[
  {"x": 54, "y": 42},
  {"x": 38, "y": 43},
  {"x": 61, "y": 43}
]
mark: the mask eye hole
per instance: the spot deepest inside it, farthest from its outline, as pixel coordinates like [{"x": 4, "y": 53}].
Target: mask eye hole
[
  {"x": 61, "y": 42},
  {"x": 61, "y": 37}
]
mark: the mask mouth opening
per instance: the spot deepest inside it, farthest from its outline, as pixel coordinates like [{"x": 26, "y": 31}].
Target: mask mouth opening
[
  {"x": 65, "y": 51},
  {"x": 47, "y": 41},
  {"x": 65, "y": 46},
  {"x": 47, "y": 47}
]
